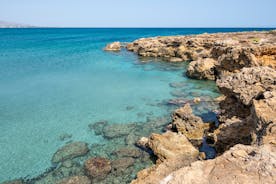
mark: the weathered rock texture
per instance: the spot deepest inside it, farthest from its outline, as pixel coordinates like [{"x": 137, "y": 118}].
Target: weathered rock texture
[
  {"x": 212, "y": 54},
  {"x": 244, "y": 66},
  {"x": 173, "y": 151},
  {"x": 250, "y": 114},
  {"x": 241, "y": 164},
  {"x": 185, "y": 122}
]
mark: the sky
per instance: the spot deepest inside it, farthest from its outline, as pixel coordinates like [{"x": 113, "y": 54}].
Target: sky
[{"x": 140, "y": 13}]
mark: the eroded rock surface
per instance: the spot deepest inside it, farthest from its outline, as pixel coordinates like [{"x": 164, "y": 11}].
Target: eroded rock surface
[
  {"x": 202, "y": 69},
  {"x": 185, "y": 122},
  {"x": 173, "y": 151},
  {"x": 241, "y": 164},
  {"x": 212, "y": 54}
]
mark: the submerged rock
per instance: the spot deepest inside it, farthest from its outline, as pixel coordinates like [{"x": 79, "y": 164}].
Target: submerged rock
[
  {"x": 117, "y": 130},
  {"x": 115, "y": 46},
  {"x": 98, "y": 127},
  {"x": 16, "y": 181},
  {"x": 241, "y": 164},
  {"x": 97, "y": 168},
  {"x": 120, "y": 165},
  {"x": 70, "y": 151},
  {"x": 128, "y": 152},
  {"x": 75, "y": 180}
]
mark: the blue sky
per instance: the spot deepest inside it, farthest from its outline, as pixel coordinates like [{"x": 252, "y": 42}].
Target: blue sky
[{"x": 140, "y": 13}]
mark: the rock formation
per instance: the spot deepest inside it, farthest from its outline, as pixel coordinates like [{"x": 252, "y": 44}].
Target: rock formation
[
  {"x": 173, "y": 151},
  {"x": 212, "y": 54},
  {"x": 115, "y": 46},
  {"x": 186, "y": 123},
  {"x": 241, "y": 164},
  {"x": 97, "y": 168},
  {"x": 70, "y": 151}
]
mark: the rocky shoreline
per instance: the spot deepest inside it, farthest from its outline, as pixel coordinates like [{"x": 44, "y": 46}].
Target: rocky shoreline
[{"x": 243, "y": 66}]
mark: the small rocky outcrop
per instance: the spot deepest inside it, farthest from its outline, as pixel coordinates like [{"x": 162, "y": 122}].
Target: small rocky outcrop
[
  {"x": 97, "y": 168},
  {"x": 171, "y": 145},
  {"x": 186, "y": 123},
  {"x": 75, "y": 180},
  {"x": 241, "y": 164},
  {"x": 173, "y": 151},
  {"x": 70, "y": 151},
  {"x": 202, "y": 69},
  {"x": 115, "y": 46}
]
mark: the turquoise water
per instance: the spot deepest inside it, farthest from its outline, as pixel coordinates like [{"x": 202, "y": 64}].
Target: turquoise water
[{"x": 58, "y": 81}]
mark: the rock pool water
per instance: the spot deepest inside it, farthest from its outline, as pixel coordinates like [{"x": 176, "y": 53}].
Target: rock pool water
[{"x": 55, "y": 83}]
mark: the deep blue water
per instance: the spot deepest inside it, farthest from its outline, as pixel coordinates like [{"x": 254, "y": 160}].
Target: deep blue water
[{"x": 56, "y": 81}]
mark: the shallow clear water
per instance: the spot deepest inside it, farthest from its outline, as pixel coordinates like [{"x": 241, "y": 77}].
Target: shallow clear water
[{"x": 57, "y": 81}]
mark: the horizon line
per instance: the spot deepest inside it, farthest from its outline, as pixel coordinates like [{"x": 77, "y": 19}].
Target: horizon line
[{"x": 84, "y": 27}]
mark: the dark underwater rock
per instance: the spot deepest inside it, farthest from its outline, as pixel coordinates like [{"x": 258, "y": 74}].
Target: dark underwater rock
[{"x": 70, "y": 151}]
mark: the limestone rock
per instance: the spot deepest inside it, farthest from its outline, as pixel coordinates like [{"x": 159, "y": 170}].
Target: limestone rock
[
  {"x": 202, "y": 69},
  {"x": 173, "y": 151},
  {"x": 171, "y": 145},
  {"x": 241, "y": 164},
  {"x": 115, "y": 46},
  {"x": 70, "y": 151},
  {"x": 233, "y": 131},
  {"x": 248, "y": 84},
  {"x": 263, "y": 116},
  {"x": 97, "y": 168},
  {"x": 185, "y": 122}
]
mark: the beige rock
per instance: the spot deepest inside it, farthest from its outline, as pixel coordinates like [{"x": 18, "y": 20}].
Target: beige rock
[
  {"x": 185, "y": 122},
  {"x": 241, "y": 164},
  {"x": 202, "y": 69},
  {"x": 171, "y": 145},
  {"x": 173, "y": 151},
  {"x": 115, "y": 46}
]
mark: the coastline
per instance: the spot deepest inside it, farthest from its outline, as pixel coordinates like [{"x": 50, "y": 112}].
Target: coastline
[
  {"x": 243, "y": 66},
  {"x": 186, "y": 131}
]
